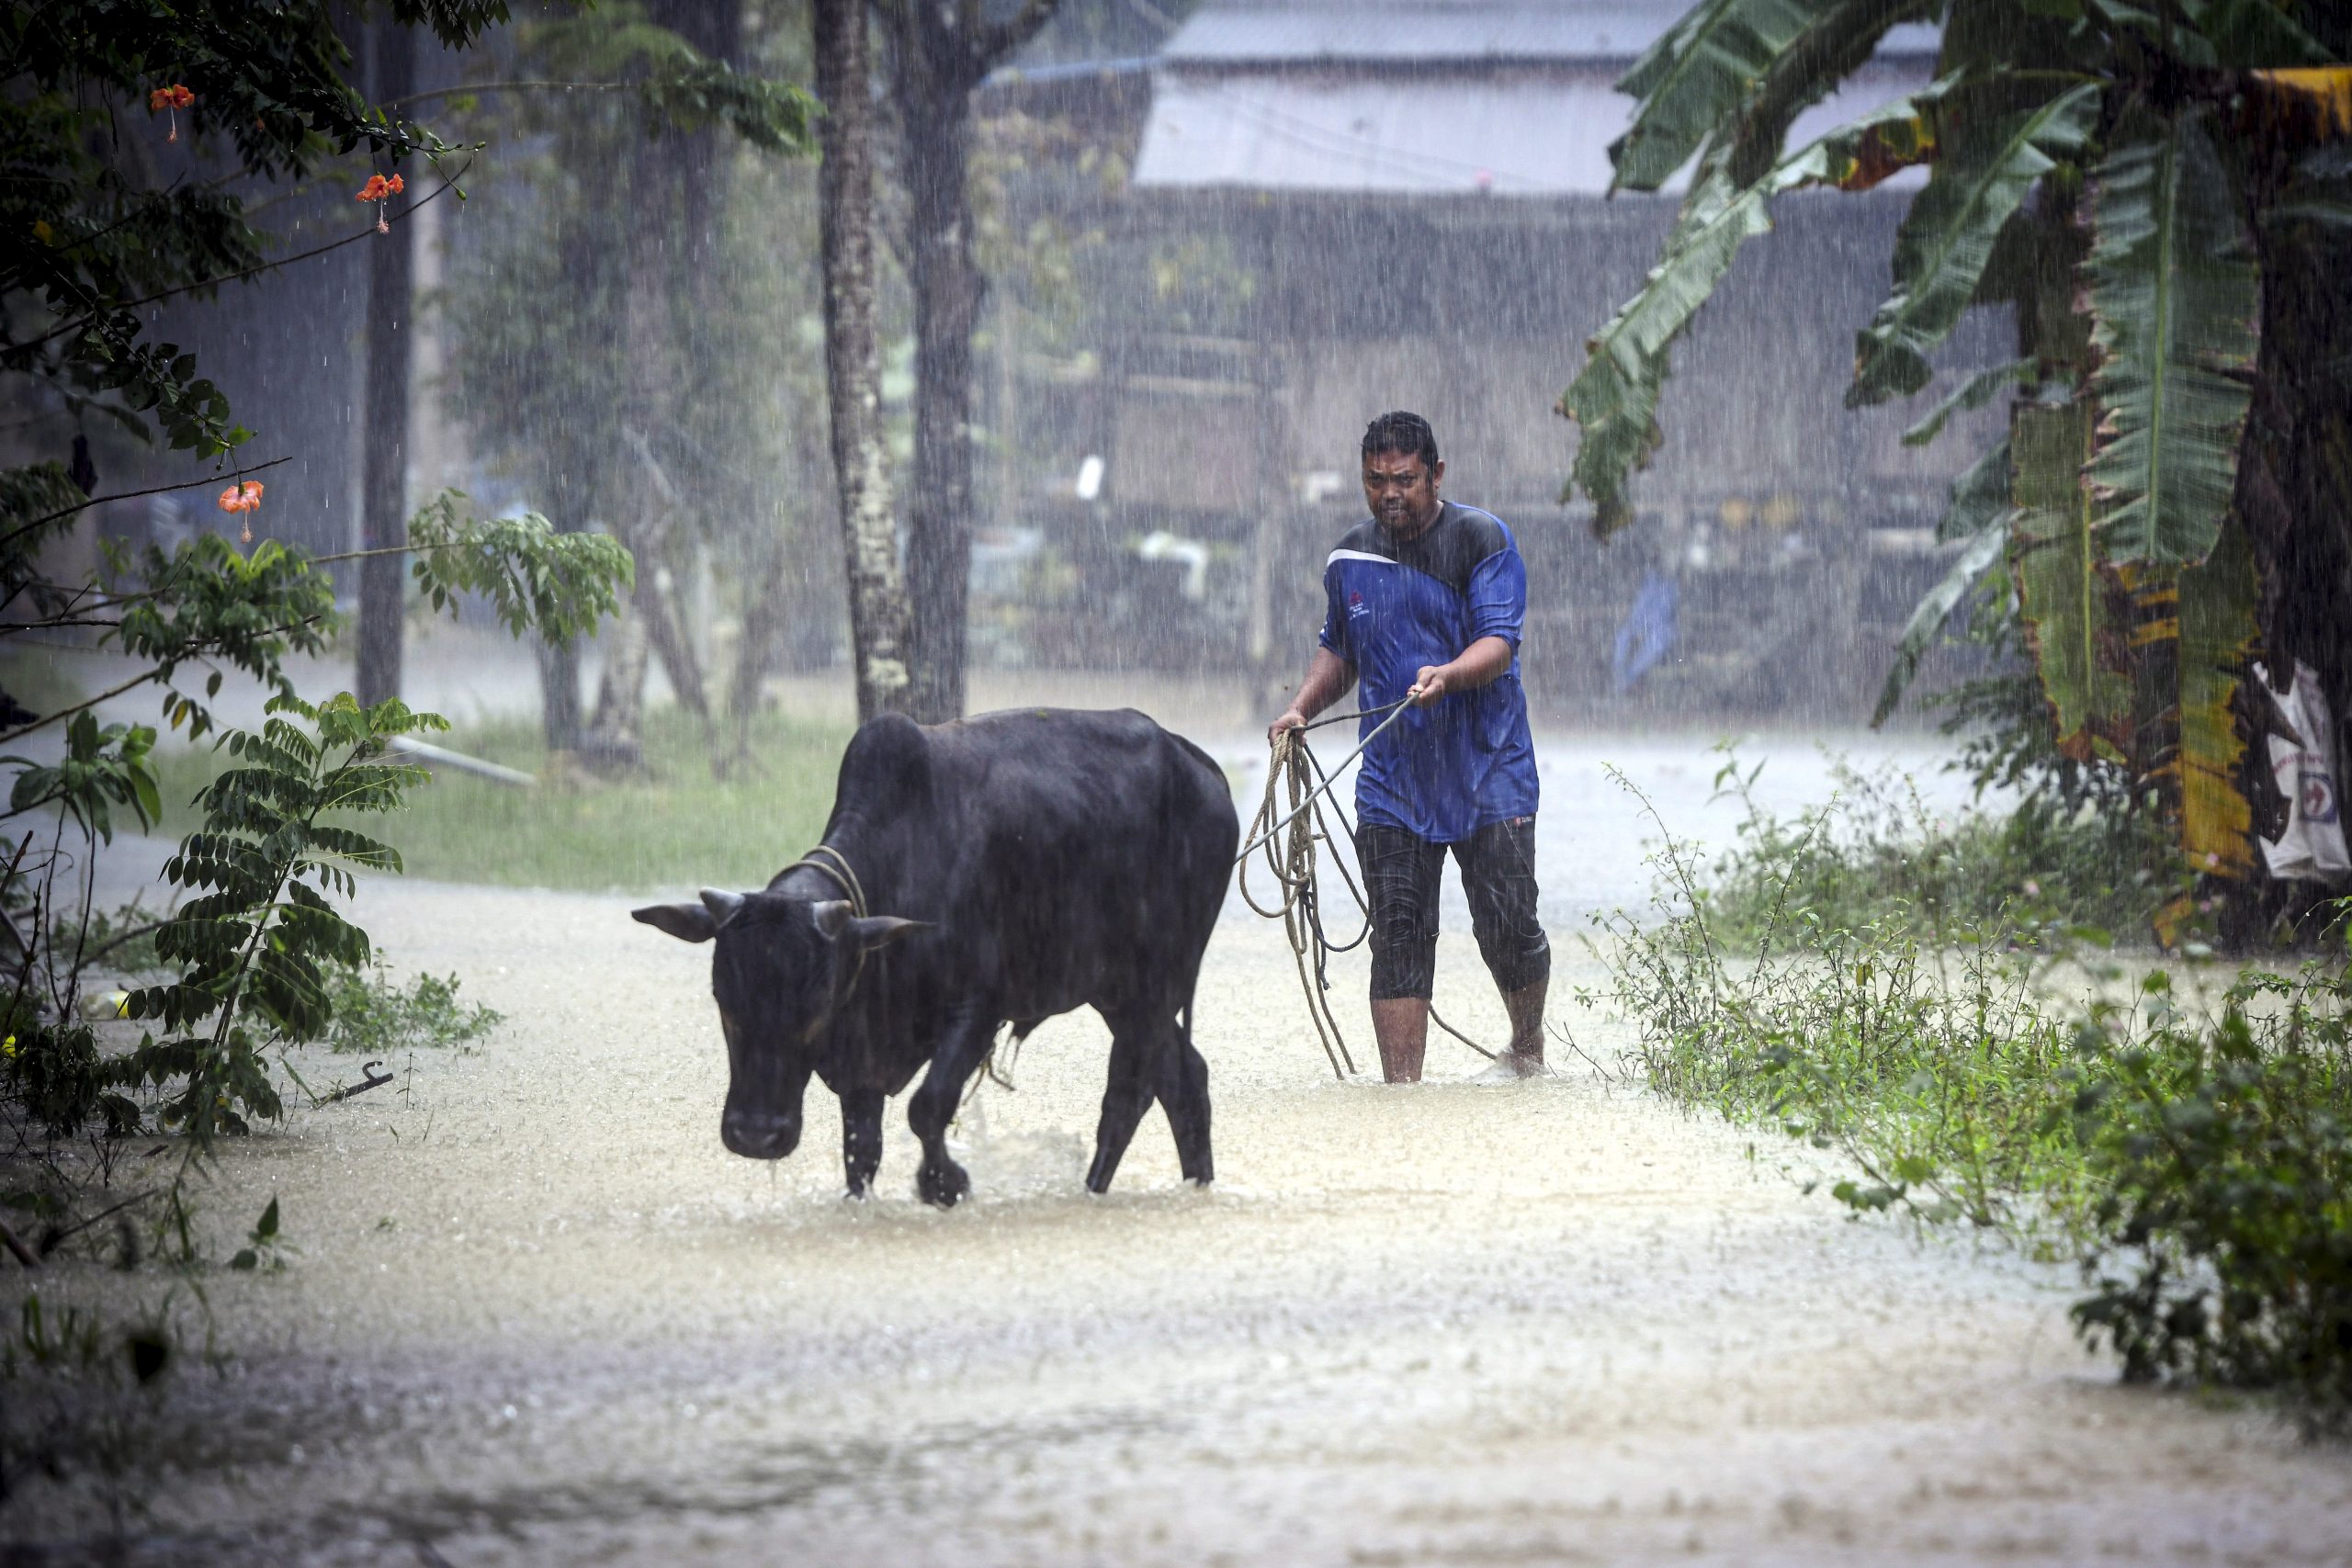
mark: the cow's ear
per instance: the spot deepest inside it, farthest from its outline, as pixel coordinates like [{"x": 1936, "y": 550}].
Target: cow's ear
[
  {"x": 687, "y": 923},
  {"x": 833, "y": 921},
  {"x": 881, "y": 931}
]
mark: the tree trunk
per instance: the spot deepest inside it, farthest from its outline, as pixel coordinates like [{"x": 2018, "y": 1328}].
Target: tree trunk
[
  {"x": 939, "y": 52},
  {"x": 948, "y": 291},
  {"x": 383, "y": 483},
  {"x": 646, "y": 504},
  {"x": 877, "y": 605}
]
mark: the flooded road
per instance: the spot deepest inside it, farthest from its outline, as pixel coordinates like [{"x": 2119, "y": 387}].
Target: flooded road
[{"x": 533, "y": 1314}]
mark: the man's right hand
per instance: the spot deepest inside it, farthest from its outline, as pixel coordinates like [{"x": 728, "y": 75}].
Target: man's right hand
[{"x": 1291, "y": 719}]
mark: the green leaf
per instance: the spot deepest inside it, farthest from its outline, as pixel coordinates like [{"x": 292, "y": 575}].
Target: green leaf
[
  {"x": 2063, "y": 601},
  {"x": 1982, "y": 174},
  {"x": 2175, "y": 302},
  {"x": 1971, "y": 394},
  {"x": 1697, "y": 73},
  {"x": 1614, "y": 398},
  {"x": 2255, "y": 33},
  {"x": 1928, "y": 617}
]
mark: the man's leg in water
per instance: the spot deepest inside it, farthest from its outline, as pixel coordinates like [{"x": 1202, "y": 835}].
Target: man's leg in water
[
  {"x": 1401, "y": 879},
  {"x": 1498, "y": 865},
  {"x": 1401, "y": 1027}
]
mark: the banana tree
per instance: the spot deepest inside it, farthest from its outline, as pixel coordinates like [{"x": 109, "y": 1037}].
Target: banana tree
[{"x": 2161, "y": 190}]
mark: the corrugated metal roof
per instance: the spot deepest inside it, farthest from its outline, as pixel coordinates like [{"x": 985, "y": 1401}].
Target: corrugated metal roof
[
  {"x": 1453, "y": 32},
  {"x": 1512, "y": 135}
]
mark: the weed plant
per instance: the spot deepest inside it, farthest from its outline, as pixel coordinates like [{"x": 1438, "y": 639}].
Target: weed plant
[
  {"x": 2222, "y": 1149},
  {"x": 376, "y": 1016},
  {"x": 1877, "y": 856},
  {"x": 2194, "y": 1157},
  {"x": 1914, "y": 1047}
]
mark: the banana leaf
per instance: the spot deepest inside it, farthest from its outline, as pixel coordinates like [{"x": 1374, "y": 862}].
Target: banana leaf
[
  {"x": 1756, "y": 62},
  {"x": 1979, "y": 514},
  {"x": 1973, "y": 393},
  {"x": 1696, "y": 74},
  {"x": 2062, "y": 599},
  {"x": 2175, "y": 300},
  {"x": 1982, "y": 173},
  {"x": 1614, "y": 398},
  {"x": 1935, "y": 607},
  {"x": 1808, "y": 69},
  {"x": 2217, "y": 630},
  {"x": 1979, "y": 497}
]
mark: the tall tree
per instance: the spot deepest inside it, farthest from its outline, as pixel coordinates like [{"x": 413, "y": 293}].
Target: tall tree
[
  {"x": 383, "y": 484},
  {"x": 602, "y": 366},
  {"x": 939, "y": 53},
  {"x": 877, "y": 600}
]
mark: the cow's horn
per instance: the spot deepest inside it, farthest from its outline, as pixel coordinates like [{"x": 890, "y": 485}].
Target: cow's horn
[{"x": 722, "y": 906}]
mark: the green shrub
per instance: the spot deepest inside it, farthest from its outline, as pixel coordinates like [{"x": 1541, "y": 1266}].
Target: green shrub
[
  {"x": 53, "y": 1072},
  {"x": 375, "y": 1017},
  {"x": 2224, "y": 1153},
  {"x": 2198, "y": 1163},
  {"x": 1876, "y": 855},
  {"x": 1930, "y": 1066}
]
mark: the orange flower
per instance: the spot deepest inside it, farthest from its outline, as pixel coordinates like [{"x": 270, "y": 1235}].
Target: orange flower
[
  {"x": 379, "y": 188},
  {"x": 174, "y": 98},
  {"x": 242, "y": 497}
]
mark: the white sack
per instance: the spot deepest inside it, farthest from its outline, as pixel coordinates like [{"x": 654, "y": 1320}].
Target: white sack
[{"x": 2312, "y": 846}]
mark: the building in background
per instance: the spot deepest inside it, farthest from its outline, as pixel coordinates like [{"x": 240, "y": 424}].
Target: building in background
[{"x": 1338, "y": 207}]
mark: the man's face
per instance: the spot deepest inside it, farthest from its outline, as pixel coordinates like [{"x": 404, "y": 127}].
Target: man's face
[{"x": 1401, "y": 491}]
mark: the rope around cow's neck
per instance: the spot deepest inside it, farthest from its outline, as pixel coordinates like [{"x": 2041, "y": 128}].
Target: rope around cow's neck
[
  {"x": 847, "y": 880},
  {"x": 1295, "y": 870}
]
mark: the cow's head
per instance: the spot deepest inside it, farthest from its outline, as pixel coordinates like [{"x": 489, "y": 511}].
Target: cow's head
[{"x": 782, "y": 967}]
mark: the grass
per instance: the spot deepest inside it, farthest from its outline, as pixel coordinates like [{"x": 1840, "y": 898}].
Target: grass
[{"x": 675, "y": 827}]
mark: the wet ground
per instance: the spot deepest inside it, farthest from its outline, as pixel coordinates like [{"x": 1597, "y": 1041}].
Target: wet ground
[{"x": 533, "y": 1313}]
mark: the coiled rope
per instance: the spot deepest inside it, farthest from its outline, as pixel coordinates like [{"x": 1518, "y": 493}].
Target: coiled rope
[{"x": 1288, "y": 840}]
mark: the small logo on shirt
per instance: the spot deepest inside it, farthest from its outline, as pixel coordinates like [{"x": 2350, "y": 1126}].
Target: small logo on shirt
[{"x": 1356, "y": 607}]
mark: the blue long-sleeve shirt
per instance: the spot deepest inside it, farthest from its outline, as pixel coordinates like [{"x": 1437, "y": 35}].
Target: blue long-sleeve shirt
[{"x": 1444, "y": 771}]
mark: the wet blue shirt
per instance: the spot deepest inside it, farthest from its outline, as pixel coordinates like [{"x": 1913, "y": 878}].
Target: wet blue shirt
[{"x": 1440, "y": 773}]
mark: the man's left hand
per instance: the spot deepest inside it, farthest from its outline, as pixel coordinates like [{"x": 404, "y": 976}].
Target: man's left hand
[{"x": 1429, "y": 686}]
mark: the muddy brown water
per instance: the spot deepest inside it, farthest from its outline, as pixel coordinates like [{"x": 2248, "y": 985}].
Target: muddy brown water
[{"x": 535, "y": 1313}]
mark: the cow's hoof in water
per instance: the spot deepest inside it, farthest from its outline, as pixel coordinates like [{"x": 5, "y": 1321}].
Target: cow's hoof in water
[{"x": 943, "y": 1185}]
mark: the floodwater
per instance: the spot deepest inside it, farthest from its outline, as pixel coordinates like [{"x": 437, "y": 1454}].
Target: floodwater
[{"x": 533, "y": 1313}]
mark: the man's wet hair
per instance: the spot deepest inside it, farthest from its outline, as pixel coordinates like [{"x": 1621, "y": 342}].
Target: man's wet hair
[{"x": 1400, "y": 432}]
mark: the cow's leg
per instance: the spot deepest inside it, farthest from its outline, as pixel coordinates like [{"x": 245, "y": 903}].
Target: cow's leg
[
  {"x": 963, "y": 1046},
  {"x": 860, "y": 1137},
  {"x": 1139, "y": 1042},
  {"x": 1184, "y": 1095}
]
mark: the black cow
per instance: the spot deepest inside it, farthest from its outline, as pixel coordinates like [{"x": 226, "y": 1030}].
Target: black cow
[{"x": 1004, "y": 868}]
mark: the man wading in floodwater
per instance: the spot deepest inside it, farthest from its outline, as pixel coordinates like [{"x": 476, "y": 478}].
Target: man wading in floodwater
[{"x": 1424, "y": 601}]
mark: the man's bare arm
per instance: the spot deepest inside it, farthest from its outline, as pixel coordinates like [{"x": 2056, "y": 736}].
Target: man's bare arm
[
  {"x": 1480, "y": 664},
  {"x": 1329, "y": 676}
]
